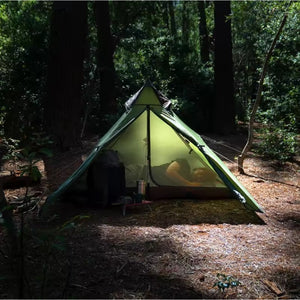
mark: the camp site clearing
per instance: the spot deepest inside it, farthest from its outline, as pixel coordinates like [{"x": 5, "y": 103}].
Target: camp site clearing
[{"x": 176, "y": 248}]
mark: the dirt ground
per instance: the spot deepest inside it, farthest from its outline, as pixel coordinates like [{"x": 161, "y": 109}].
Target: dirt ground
[{"x": 168, "y": 249}]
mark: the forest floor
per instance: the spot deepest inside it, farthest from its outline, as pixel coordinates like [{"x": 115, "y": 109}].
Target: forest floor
[{"x": 169, "y": 249}]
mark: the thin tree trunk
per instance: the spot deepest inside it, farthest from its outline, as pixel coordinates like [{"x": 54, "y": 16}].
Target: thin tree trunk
[
  {"x": 249, "y": 142},
  {"x": 106, "y": 66},
  {"x": 89, "y": 94},
  {"x": 172, "y": 19},
  {"x": 166, "y": 55},
  {"x": 185, "y": 34},
  {"x": 204, "y": 49}
]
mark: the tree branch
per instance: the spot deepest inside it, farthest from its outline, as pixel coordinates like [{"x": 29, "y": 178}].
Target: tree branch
[{"x": 249, "y": 142}]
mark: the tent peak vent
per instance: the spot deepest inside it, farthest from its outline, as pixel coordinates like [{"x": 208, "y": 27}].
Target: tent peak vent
[{"x": 148, "y": 95}]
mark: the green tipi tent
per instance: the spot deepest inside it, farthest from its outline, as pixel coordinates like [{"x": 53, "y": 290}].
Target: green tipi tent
[{"x": 148, "y": 138}]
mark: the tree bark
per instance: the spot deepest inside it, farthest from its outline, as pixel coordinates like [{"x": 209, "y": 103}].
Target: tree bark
[
  {"x": 224, "y": 106},
  {"x": 249, "y": 142},
  {"x": 64, "y": 104},
  {"x": 185, "y": 24},
  {"x": 106, "y": 66},
  {"x": 172, "y": 19},
  {"x": 204, "y": 45}
]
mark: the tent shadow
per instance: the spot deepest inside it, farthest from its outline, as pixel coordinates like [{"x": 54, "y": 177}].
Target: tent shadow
[
  {"x": 163, "y": 213},
  {"x": 166, "y": 213},
  {"x": 117, "y": 277},
  {"x": 120, "y": 267}
]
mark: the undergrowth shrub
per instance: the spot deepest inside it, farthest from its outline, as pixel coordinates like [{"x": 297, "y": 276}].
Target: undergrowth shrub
[{"x": 278, "y": 143}]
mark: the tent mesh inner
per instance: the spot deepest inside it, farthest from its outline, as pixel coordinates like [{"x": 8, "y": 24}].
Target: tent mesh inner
[{"x": 166, "y": 146}]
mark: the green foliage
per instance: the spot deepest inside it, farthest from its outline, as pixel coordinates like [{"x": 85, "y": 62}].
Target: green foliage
[
  {"x": 225, "y": 282},
  {"x": 55, "y": 239},
  {"x": 34, "y": 147},
  {"x": 25, "y": 159},
  {"x": 171, "y": 62},
  {"x": 39, "y": 143},
  {"x": 49, "y": 243},
  {"x": 23, "y": 57},
  {"x": 282, "y": 85},
  {"x": 254, "y": 26},
  {"x": 11, "y": 146},
  {"x": 278, "y": 143},
  {"x": 147, "y": 47}
]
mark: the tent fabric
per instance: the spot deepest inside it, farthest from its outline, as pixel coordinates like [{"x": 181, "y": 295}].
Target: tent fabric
[
  {"x": 148, "y": 95},
  {"x": 148, "y": 138}
]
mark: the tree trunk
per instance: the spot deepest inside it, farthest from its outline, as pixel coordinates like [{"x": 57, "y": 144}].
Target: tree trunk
[
  {"x": 224, "y": 106},
  {"x": 105, "y": 62},
  {"x": 204, "y": 45},
  {"x": 185, "y": 24},
  {"x": 64, "y": 105},
  {"x": 249, "y": 142},
  {"x": 172, "y": 19}
]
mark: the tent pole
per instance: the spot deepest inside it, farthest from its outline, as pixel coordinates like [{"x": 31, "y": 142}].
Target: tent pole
[{"x": 148, "y": 154}]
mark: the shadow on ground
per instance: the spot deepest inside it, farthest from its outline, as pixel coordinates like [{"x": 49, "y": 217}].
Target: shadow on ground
[
  {"x": 166, "y": 213},
  {"x": 96, "y": 265},
  {"x": 133, "y": 281},
  {"x": 106, "y": 259}
]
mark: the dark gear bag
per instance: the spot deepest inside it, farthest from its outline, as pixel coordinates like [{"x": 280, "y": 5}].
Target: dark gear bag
[{"x": 106, "y": 179}]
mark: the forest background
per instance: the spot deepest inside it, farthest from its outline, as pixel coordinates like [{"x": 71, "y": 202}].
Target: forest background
[{"x": 66, "y": 68}]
